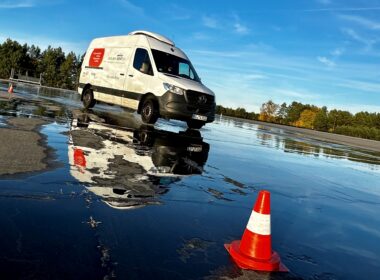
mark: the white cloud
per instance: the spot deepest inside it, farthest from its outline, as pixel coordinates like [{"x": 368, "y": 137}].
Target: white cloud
[
  {"x": 337, "y": 52},
  {"x": 326, "y": 61},
  {"x": 210, "y": 22},
  {"x": 240, "y": 28},
  {"x": 254, "y": 77},
  {"x": 299, "y": 93},
  {"x": 236, "y": 25},
  {"x": 357, "y": 9},
  {"x": 143, "y": 16},
  {"x": 368, "y": 42},
  {"x": 16, "y": 4},
  {"x": 370, "y": 24},
  {"x": 361, "y": 86},
  {"x": 355, "y": 36}
]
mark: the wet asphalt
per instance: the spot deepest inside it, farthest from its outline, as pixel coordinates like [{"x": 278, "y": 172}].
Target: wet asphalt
[{"x": 99, "y": 195}]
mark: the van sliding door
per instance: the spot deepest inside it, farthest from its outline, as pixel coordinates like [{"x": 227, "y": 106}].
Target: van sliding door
[{"x": 115, "y": 72}]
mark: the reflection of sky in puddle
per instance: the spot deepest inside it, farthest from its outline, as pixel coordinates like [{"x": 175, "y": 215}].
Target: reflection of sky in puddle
[
  {"x": 2, "y": 119},
  {"x": 289, "y": 142},
  {"x": 56, "y": 138}
]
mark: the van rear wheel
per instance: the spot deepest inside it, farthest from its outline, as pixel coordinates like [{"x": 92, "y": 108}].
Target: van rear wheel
[
  {"x": 194, "y": 124},
  {"x": 149, "y": 111},
  {"x": 88, "y": 99}
]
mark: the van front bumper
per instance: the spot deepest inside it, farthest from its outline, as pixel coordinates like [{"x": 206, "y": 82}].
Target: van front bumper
[{"x": 183, "y": 107}]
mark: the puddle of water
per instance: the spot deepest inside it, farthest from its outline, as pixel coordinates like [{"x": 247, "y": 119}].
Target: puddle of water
[{"x": 132, "y": 201}]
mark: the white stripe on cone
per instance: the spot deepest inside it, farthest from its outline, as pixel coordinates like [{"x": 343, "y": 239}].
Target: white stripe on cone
[{"x": 259, "y": 223}]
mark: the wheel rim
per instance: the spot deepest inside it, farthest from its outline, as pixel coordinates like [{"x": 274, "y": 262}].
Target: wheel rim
[
  {"x": 147, "y": 111},
  {"x": 143, "y": 137},
  {"x": 87, "y": 98}
]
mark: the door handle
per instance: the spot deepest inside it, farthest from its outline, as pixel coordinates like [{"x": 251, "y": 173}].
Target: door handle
[
  {"x": 121, "y": 74},
  {"x": 130, "y": 75}
]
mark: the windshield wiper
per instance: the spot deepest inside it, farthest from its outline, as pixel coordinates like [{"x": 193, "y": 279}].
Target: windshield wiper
[{"x": 171, "y": 75}]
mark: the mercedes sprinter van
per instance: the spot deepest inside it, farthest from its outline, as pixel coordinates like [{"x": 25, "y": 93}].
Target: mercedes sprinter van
[{"x": 146, "y": 72}]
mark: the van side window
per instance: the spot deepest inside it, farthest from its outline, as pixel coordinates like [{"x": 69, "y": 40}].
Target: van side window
[{"x": 142, "y": 63}]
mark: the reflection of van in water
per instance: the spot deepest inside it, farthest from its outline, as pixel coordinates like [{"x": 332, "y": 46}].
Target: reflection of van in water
[
  {"x": 144, "y": 71},
  {"x": 129, "y": 168}
]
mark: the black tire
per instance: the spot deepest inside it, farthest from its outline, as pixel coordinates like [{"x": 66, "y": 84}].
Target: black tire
[
  {"x": 149, "y": 111},
  {"x": 194, "y": 124},
  {"x": 193, "y": 133},
  {"x": 88, "y": 99},
  {"x": 146, "y": 138}
]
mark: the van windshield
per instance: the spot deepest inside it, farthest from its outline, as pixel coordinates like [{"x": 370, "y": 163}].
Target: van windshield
[{"x": 174, "y": 65}]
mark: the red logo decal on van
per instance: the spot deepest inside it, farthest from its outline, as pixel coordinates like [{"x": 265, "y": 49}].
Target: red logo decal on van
[
  {"x": 96, "y": 57},
  {"x": 79, "y": 158}
]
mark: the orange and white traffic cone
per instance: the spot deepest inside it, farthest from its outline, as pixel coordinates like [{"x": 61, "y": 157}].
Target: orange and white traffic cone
[
  {"x": 254, "y": 250},
  {"x": 10, "y": 88}
]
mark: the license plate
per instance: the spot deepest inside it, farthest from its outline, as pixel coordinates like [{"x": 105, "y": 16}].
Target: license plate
[
  {"x": 199, "y": 117},
  {"x": 195, "y": 149}
]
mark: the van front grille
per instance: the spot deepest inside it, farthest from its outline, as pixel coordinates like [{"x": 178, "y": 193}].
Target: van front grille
[{"x": 199, "y": 99}]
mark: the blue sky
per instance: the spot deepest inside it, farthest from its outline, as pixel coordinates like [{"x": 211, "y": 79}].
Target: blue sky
[{"x": 324, "y": 52}]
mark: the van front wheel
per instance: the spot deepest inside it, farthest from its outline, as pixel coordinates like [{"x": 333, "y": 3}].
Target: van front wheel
[
  {"x": 149, "y": 111},
  {"x": 88, "y": 99},
  {"x": 195, "y": 124}
]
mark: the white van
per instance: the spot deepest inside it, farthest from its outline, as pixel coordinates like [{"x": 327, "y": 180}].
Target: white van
[{"x": 144, "y": 71}]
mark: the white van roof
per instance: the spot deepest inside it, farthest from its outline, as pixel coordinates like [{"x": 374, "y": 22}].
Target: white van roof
[
  {"x": 153, "y": 40},
  {"x": 153, "y": 35}
]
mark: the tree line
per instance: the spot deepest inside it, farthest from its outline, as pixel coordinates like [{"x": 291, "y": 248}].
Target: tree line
[
  {"x": 237, "y": 113},
  {"x": 57, "y": 68},
  {"x": 362, "y": 124}
]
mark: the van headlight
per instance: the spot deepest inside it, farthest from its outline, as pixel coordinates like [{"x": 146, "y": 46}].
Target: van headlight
[
  {"x": 174, "y": 89},
  {"x": 160, "y": 169},
  {"x": 164, "y": 169}
]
